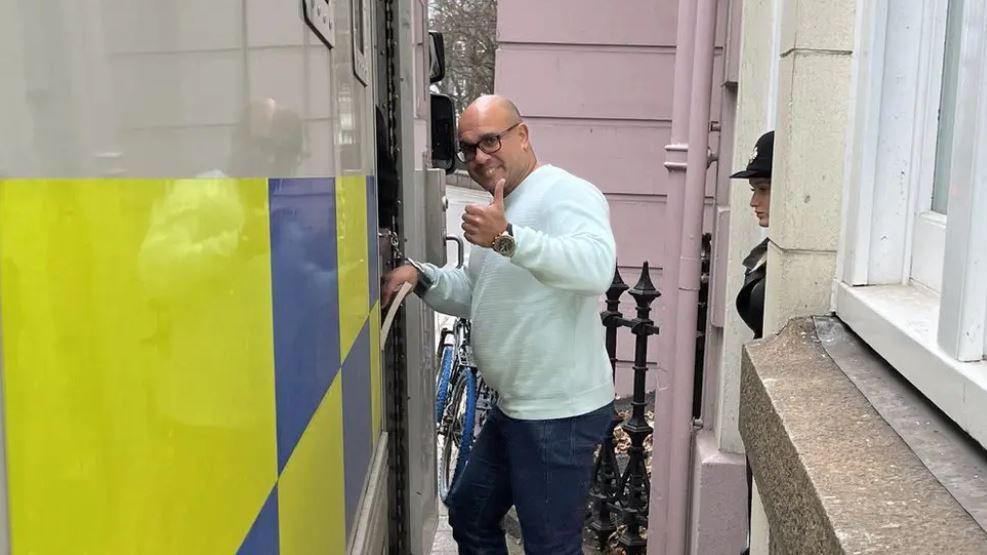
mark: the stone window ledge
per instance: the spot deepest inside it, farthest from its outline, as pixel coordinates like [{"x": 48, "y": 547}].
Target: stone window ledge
[{"x": 833, "y": 475}]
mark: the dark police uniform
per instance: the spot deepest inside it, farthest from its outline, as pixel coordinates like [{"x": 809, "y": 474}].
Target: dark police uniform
[{"x": 750, "y": 300}]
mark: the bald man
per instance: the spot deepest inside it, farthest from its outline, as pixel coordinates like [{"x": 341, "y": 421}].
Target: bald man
[{"x": 543, "y": 254}]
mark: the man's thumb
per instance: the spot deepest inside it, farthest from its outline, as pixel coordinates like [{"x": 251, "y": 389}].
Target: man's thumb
[{"x": 499, "y": 192}]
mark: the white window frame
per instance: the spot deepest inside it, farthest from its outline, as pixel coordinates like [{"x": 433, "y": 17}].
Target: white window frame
[
  {"x": 920, "y": 305},
  {"x": 362, "y": 52}
]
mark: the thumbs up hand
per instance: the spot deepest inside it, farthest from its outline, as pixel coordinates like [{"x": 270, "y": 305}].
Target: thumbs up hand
[{"x": 481, "y": 224}]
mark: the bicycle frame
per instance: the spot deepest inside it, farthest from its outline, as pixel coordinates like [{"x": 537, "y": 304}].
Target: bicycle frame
[{"x": 462, "y": 403}]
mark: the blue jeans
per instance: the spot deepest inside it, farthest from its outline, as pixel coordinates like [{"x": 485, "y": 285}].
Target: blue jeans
[{"x": 543, "y": 467}]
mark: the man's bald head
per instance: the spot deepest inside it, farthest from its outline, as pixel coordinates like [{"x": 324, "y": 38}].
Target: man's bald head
[
  {"x": 493, "y": 105},
  {"x": 495, "y": 119}
]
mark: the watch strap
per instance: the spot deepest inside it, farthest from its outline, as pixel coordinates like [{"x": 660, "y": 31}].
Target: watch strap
[{"x": 424, "y": 281}]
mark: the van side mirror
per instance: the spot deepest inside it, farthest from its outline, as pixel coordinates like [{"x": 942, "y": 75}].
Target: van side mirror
[
  {"x": 443, "y": 133},
  {"x": 437, "y": 55}
]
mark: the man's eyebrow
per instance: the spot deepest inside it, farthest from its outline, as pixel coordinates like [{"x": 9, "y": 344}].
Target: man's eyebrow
[{"x": 479, "y": 140}]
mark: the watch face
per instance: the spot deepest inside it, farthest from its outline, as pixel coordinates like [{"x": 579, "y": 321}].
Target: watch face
[{"x": 504, "y": 245}]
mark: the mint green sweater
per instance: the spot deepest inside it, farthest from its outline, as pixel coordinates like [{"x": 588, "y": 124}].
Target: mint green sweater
[{"x": 537, "y": 336}]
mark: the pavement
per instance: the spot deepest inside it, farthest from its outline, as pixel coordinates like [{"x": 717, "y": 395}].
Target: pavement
[{"x": 445, "y": 545}]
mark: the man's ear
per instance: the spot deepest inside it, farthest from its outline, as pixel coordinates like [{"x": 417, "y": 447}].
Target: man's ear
[{"x": 522, "y": 131}]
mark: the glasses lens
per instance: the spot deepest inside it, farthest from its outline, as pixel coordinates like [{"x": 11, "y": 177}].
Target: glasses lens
[
  {"x": 467, "y": 152},
  {"x": 490, "y": 145}
]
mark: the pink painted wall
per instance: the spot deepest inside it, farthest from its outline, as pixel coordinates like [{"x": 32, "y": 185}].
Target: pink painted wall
[{"x": 594, "y": 84}]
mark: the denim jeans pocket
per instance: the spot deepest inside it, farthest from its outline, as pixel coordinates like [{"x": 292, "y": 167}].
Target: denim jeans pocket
[{"x": 588, "y": 431}]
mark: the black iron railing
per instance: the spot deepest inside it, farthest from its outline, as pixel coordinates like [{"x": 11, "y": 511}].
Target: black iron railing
[
  {"x": 620, "y": 499},
  {"x": 700, "y": 361}
]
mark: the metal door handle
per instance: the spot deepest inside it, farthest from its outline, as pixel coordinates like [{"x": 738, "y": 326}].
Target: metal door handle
[{"x": 460, "y": 249}]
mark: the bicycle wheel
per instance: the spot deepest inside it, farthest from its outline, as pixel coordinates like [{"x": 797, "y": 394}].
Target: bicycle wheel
[
  {"x": 460, "y": 415},
  {"x": 442, "y": 382}
]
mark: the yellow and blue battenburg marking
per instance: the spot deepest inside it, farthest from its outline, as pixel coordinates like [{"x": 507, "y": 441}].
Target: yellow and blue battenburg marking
[{"x": 189, "y": 365}]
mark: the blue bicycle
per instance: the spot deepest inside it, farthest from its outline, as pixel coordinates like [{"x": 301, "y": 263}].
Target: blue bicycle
[{"x": 462, "y": 402}]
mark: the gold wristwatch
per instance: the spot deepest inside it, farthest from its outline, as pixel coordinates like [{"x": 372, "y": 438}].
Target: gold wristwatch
[{"x": 504, "y": 244}]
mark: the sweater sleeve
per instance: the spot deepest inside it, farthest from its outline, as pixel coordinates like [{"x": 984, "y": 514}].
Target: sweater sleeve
[
  {"x": 578, "y": 252},
  {"x": 452, "y": 290}
]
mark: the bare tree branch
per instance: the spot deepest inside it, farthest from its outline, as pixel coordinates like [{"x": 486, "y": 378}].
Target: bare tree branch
[{"x": 469, "y": 28}]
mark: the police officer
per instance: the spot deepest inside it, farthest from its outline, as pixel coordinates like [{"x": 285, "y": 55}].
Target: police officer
[{"x": 750, "y": 299}]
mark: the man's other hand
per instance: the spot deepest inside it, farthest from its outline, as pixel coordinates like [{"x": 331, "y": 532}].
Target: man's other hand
[
  {"x": 393, "y": 280},
  {"x": 482, "y": 224}
]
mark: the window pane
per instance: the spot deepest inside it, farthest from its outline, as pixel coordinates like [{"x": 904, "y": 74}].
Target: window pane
[{"x": 947, "y": 107}]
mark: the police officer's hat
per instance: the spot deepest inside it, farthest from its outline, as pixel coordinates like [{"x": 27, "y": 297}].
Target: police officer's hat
[{"x": 759, "y": 164}]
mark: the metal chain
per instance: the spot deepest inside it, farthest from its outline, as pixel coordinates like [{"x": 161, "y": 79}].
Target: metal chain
[
  {"x": 397, "y": 377},
  {"x": 395, "y": 242}
]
